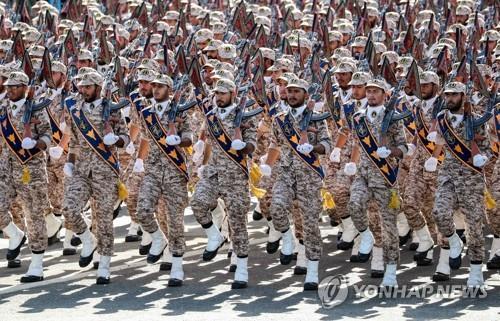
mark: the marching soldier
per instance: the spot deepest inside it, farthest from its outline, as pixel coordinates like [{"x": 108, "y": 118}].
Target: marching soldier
[
  {"x": 299, "y": 177},
  {"x": 23, "y": 172},
  {"x": 376, "y": 178},
  {"x": 460, "y": 174},
  {"x": 226, "y": 176},
  {"x": 165, "y": 177},
  {"x": 94, "y": 171}
]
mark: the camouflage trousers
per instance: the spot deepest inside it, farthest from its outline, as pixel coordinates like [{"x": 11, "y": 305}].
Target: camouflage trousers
[
  {"x": 57, "y": 179},
  {"x": 418, "y": 199},
  {"x": 101, "y": 188},
  {"x": 171, "y": 187},
  {"x": 32, "y": 198},
  {"x": 233, "y": 188},
  {"x": 265, "y": 206},
  {"x": 133, "y": 182},
  {"x": 304, "y": 187},
  {"x": 16, "y": 210},
  {"x": 466, "y": 194},
  {"x": 493, "y": 185},
  {"x": 361, "y": 195}
]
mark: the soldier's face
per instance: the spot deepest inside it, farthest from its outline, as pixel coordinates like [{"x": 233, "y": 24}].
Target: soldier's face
[
  {"x": 145, "y": 89},
  {"x": 343, "y": 79},
  {"x": 223, "y": 99},
  {"x": 89, "y": 92},
  {"x": 83, "y": 63},
  {"x": 160, "y": 92},
  {"x": 358, "y": 92},
  {"x": 59, "y": 78},
  {"x": 212, "y": 54},
  {"x": 16, "y": 92},
  {"x": 375, "y": 96},
  {"x": 295, "y": 97},
  {"x": 427, "y": 90},
  {"x": 453, "y": 101}
]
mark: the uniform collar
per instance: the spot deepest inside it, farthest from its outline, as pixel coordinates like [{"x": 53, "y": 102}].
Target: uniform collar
[
  {"x": 374, "y": 112},
  {"x": 345, "y": 95},
  {"x": 455, "y": 119},
  {"x": 223, "y": 112},
  {"x": 297, "y": 112},
  {"x": 92, "y": 105},
  {"x": 360, "y": 104},
  {"x": 17, "y": 106},
  {"x": 427, "y": 104},
  {"x": 161, "y": 108}
]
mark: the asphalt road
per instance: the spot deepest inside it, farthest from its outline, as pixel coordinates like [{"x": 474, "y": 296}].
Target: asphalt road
[{"x": 139, "y": 291}]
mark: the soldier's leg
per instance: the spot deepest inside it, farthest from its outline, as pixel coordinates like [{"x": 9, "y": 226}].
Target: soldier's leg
[
  {"x": 310, "y": 202},
  {"x": 203, "y": 201},
  {"x": 105, "y": 194},
  {"x": 55, "y": 176},
  {"x": 175, "y": 197},
  {"x": 7, "y": 225},
  {"x": 234, "y": 192},
  {"x": 341, "y": 193},
  {"x": 281, "y": 206},
  {"x": 35, "y": 202},
  {"x": 390, "y": 237},
  {"x": 474, "y": 211},
  {"x": 16, "y": 210},
  {"x": 494, "y": 218},
  {"x": 77, "y": 195},
  {"x": 444, "y": 204},
  {"x": 357, "y": 207},
  {"x": 147, "y": 202}
]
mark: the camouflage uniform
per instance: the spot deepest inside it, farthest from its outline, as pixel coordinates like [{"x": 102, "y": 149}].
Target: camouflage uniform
[
  {"x": 223, "y": 178},
  {"x": 297, "y": 181},
  {"x": 32, "y": 197},
  {"x": 418, "y": 198},
  {"x": 369, "y": 184},
  {"x": 453, "y": 182},
  {"x": 163, "y": 180},
  {"x": 93, "y": 179}
]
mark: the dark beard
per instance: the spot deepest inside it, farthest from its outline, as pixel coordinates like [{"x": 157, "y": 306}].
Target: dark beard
[
  {"x": 297, "y": 105},
  {"x": 454, "y": 108}
]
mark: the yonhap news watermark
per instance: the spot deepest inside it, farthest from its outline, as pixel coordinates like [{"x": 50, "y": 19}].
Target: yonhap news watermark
[{"x": 334, "y": 290}]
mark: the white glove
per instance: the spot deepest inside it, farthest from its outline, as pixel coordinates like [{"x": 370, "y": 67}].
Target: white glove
[
  {"x": 28, "y": 143},
  {"x": 432, "y": 136},
  {"x": 238, "y": 144},
  {"x": 56, "y": 152},
  {"x": 411, "y": 149},
  {"x": 130, "y": 149},
  {"x": 266, "y": 170},
  {"x": 110, "y": 139},
  {"x": 173, "y": 140},
  {"x": 200, "y": 171},
  {"x": 263, "y": 159},
  {"x": 383, "y": 152},
  {"x": 431, "y": 164},
  {"x": 350, "y": 169},
  {"x": 63, "y": 126},
  {"x": 479, "y": 160},
  {"x": 335, "y": 155},
  {"x": 68, "y": 169},
  {"x": 199, "y": 147},
  {"x": 305, "y": 148},
  {"x": 138, "y": 166}
]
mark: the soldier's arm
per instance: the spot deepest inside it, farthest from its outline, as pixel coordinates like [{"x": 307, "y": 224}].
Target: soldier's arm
[
  {"x": 249, "y": 135},
  {"x": 483, "y": 141},
  {"x": 399, "y": 147},
  {"x": 120, "y": 129},
  {"x": 42, "y": 128},
  {"x": 185, "y": 132},
  {"x": 324, "y": 144}
]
